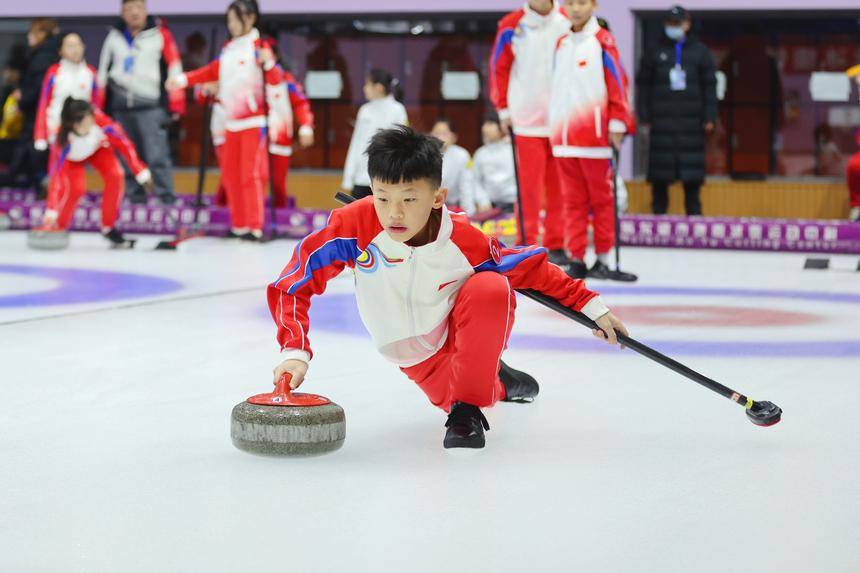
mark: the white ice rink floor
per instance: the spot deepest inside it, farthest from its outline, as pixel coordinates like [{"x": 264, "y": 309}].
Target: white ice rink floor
[{"x": 119, "y": 371}]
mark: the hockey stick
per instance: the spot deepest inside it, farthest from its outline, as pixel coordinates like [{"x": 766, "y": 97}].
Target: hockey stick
[
  {"x": 618, "y": 274},
  {"x": 760, "y": 413},
  {"x": 521, "y": 225}
]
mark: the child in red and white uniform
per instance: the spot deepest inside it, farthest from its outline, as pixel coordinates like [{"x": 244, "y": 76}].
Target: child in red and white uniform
[
  {"x": 89, "y": 137},
  {"x": 70, "y": 78},
  {"x": 288, "y": 106},
  {"x": 520, "y": 79},
  {"x": 244, "y": 158},
  {"x": 434, "y": 292},
  {"x": 589, "y": 115},
  {"x": 853, "y": 173}
]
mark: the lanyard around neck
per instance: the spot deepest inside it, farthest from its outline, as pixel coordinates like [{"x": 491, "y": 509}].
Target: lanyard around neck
[{"x": 679, "y": 45}]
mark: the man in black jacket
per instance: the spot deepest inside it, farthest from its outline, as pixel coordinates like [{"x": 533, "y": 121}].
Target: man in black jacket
[
  {"x": 44, "y": 48},
  {"x": 677, "y": 104}
]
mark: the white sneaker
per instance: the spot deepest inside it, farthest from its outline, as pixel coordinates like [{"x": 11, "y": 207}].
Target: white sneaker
[{"x": 854, "y": 214}]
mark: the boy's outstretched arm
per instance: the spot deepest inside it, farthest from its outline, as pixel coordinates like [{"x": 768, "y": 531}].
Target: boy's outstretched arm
[
  {"x": 528, "y": 268},
  {"x": 317, "y": 258}
]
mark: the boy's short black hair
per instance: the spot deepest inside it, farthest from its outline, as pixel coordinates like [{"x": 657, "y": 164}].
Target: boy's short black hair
[{"x": 399, "y": 155}]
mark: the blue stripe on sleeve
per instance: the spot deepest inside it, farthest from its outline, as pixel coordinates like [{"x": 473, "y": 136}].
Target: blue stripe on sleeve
[
  {"x": 609, "y": 63},
  {"x": 508, "y": 262},
  {"x": 505, "y": 38},
  {"x": 343, "y": 250}
]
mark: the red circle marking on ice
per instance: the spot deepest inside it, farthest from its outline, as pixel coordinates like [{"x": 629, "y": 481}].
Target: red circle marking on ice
[{"x": 725, "y": 316}]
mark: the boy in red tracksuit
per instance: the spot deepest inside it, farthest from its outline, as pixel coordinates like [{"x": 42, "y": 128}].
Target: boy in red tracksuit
[
  {"x": 87, "y": 136},
  {"x": 434, "y": 292},
  {"x": 288, "y": 106},
  {"x": 520, "y": 79},
  {"x": 244, "y": 159},
  {"x": 589, "y": 115}
]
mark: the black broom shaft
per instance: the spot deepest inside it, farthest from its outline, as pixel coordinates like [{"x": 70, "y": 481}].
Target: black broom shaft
[
  {"x": 614, "y": 166},
  {"x": 625, "y": 340},
  {"x": 637, "y": 346},
  {"x": 203, "y": 164},
  {"x": 521, "y": 225}
]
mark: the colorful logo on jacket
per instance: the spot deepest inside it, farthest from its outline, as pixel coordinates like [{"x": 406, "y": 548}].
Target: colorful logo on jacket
[{"x": 369, "y": 259}]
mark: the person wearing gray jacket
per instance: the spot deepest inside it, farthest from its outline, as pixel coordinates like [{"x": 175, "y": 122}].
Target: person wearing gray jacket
[{"x": 138, "y": 55}]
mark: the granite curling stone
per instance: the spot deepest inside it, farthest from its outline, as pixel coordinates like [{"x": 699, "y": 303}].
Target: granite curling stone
[
  {"x": 286, "y": 423},
  {"x": 47, "y": 240}
]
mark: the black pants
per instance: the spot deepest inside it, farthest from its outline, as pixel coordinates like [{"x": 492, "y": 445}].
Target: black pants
[
  {"x": 660, "y": 197},
  {"x": 361, "y": 191}
]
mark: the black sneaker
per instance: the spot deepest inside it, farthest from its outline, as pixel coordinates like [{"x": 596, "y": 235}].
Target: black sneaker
[
  {"x": 117, "y": 240},
  {"x": 466, "y": 425},
  {"x": 576, "y": 270},
  {"x": 251, "y": 238},
  {"x": 558, "y": 257},
  {"x": 519, "y": 386},
  {"x": 599, "y": 271},
  {"x": 231, "y": 234}
]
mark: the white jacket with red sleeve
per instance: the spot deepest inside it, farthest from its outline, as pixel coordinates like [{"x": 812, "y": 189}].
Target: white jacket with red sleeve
[
  {"x": 240, "y": 81},
  {"x": 521, "y": 68},
  {"x": 132, "y": 66},
  {"x": 63, "y": 80},
  {"x": 104, "y": 134},
  {"x": 288, "y": 104},
  {"x": 588, "y": 95},
  {"x": 405, "y": 294}
]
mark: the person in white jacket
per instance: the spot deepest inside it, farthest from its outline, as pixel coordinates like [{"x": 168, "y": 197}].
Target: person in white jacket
[
  {"x": 382, "y": 111},
  {"x": 493, "y": 170},
  {"x": 456, "y": 167}
]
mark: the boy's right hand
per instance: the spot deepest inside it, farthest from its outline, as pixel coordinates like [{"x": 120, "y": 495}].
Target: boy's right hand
[{"x": 296, "y": 368}]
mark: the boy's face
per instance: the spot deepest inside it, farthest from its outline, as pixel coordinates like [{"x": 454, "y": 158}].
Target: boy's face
[
  {"x": 579, "y": 11},
  {"x": 491, "y": 132},
  {"x": 404, "y": 208}
]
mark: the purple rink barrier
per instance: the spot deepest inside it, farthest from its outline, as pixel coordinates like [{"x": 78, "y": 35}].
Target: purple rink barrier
[
  {"x": 807, "y": 236},
  {"x": 24, "y": 213}
]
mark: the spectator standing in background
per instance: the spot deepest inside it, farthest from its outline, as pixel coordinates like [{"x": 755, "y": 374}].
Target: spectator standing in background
[
  {"x": 134, "y": 56},
  {"x": 382, "y": 111},
  {"x": 677, "y": 103},
  {"x": 42, "y": 41},
  {"x": 71, "y": 78},
  {"x": 11, "y": 120},
  {"x": 520, "y": 78}
]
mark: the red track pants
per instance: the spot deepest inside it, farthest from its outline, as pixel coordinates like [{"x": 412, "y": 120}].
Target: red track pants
[
  {"x": 466, "y": 368},
  {"x": 244, "y": 169},
  {"x": 586, "y": 186},
  {"x": 854, "y": 179},
  {"x": 69, "y": 183},
  {"x": 538, "y": 178}
]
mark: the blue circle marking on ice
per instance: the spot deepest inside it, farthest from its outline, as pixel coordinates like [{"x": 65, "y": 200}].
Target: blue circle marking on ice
[
  {"x": 338, "y": 313},
  {"x": 76, "y": 286}
]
